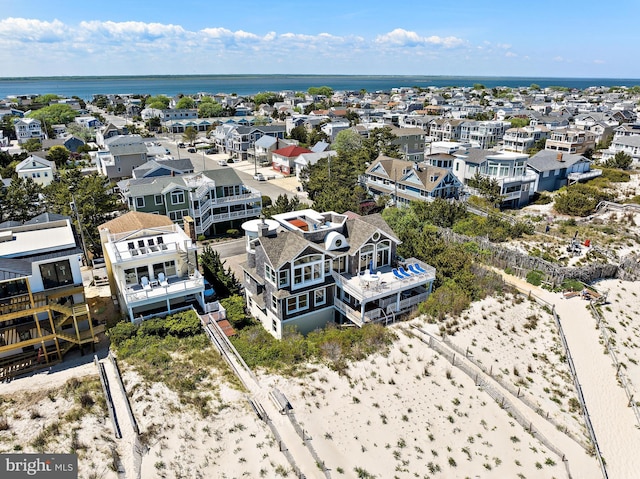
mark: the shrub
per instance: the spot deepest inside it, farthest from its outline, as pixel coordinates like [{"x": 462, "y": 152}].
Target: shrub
[
  {"x": 449, "y": 298},
  {"x": 616, "y": 176},
  {"x": 122, "y": 331},
  {"x": 579, "y": 199},
  {"x": 535, "y": 277}
]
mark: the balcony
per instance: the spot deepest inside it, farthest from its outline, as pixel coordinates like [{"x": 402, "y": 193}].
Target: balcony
[
  {"x": 386, "y": 284},
  {"x": 137, "y": 295},
  {"x": 587, "y": 175}
]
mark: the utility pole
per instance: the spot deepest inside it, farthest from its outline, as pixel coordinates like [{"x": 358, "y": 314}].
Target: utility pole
[{"x": 84, "y": 244}]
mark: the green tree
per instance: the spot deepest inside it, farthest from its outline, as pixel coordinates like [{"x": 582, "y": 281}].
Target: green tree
[
  {"x": 268, "y": 97},
  {"x": 534, "y": 86},
  {"x": 59, "y": 155},
  {"x": 381, "y": 142},
  {"x": 326, "y": 91},
  {"x": 488, "y": 188},
  {"x": 186, "y": 102},
  {"x": 22, "y": 199},
  {"x": 190, "y": 134},
  {"x": 621, "y": 160},
  {"x": 519, "y": 122},
  {"x": 82, "y": 132},
  {"x": 159, "y": 102},
  {"x": 333, "y": 183},
  {"x": 283, "y": 204},
  {"x": 347, "y": 142},
  {"x": 46, "y": 98},
  {"x": 299, "y": 133},
  {"x": 54, "y": 114},
  {"x": 209, "y": 108},
  {"x": 32, "y": 144},
  {"x": 153, "y": 124},
  {"x": 579, "y": 199},
  {"x": 91, "y": 195},
  {"x": 222, "y": 279}
]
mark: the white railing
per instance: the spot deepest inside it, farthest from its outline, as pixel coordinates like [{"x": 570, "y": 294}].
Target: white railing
[
  {"x": 584, "y": 176},
  {"x": 146, "y": 251},
  {"x": 191, "y": 285},
  {"x": 349, "y": 312},
  {"x": 230, "y": 199}
]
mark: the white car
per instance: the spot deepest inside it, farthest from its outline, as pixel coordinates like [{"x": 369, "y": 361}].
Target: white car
[
  {"x": 259, "y": 177},
  {"x": 222, "y": 162}
]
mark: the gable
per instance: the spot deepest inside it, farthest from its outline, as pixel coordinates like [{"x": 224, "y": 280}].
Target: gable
[
  {"x": 379, "y": 169},
  {"x": 412, "y": 177}
]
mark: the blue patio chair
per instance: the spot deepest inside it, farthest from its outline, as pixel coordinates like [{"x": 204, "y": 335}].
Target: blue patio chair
[
  {"x": 419, "y": 268},
  {"x": 397, "y": 274},
  {"x": 404, "y": 273},
  {"x": 372, "y": 270},
  {"x": 413, "y": 269}
]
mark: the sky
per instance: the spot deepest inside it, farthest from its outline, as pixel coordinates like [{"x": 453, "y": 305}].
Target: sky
[{"x": 559, "y": 38}]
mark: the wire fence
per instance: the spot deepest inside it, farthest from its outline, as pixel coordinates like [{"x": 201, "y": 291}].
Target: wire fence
[
  {"x": 625, "y": 382},
  {"x": 517, "y": 393},
  {"x": 504, "y": 402},
  {"x": 574, "y": 376},
  {"x": 306, "y": 441}
]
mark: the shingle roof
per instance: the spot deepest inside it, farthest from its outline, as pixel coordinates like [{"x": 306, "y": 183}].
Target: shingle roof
[
  {"x": 135, "y": 220},
  {"x": 547, "y": 160},
  {"x": 291, "y": 151},
  {"x": 285, "y": 247},
  {"x": 359, "y": 230}
]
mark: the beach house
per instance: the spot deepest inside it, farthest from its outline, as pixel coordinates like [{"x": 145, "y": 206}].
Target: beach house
[
  {"x": 307, "y": 269},
  {"x": 43, "y": 310}
]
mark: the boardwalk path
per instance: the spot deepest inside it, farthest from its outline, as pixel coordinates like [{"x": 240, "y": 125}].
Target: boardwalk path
[{"x": 613, "y": 421}]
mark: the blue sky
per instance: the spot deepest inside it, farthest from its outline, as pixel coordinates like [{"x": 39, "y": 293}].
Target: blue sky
[{"x": 565, "y": 38}]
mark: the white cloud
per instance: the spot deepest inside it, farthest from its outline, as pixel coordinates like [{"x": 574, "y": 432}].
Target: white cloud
[
  {"x": 510, "y": 54},
  {"x": 599, "y": 62},
  {"x": 401, "y": 37},
  {"x": 31, "y": 30},
  {"x": 558, "y": 59}
]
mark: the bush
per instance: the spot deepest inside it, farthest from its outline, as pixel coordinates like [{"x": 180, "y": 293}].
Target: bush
[
  {"x": 122, "y": 331},
  {"x": 233, "y": 232},
  {"x": 579, "y": 199},
  {"x": 616, "y": 176},
  {"x": 535, "y": 277},
  {"x": 449, "y": 298},
  {"x": 541, "y": 199}
]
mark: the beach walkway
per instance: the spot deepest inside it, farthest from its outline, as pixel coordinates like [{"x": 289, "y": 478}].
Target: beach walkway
[{"x": 612, "y": 419}]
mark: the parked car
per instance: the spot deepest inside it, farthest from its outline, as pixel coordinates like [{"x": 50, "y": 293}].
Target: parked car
[
  {"x": 180, "y": 145},
  {"x": 210, "y": 151},
  {"x": 222, "y": 162},
  {"x": 259, "y": 177},
  {"x": 191, "y": 150}
]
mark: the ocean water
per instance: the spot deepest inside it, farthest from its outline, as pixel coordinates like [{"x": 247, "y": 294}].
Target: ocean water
[{"x": 170, "y": 85}]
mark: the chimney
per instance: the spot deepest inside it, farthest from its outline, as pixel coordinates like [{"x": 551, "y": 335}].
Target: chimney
[
  {"x": 263, "y": 228},
  {"x": 559, "y": 157}
]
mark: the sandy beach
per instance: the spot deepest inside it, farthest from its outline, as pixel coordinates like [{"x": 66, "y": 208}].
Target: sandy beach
[{"x": 407, "y": 413}]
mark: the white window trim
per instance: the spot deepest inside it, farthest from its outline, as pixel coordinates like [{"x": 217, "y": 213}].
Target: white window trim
[
  {"x": 173, "y": 202},
  {"x": 324, "y": 297},
  {"x": 297, "y": 300},
  {"x": 138, "y": 205},
  {"x": 316, "y": 266},
  {"x": 155, "y": 199}
]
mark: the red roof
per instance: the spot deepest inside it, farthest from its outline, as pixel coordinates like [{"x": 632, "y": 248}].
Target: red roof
[{"x": 292, "y": 151}]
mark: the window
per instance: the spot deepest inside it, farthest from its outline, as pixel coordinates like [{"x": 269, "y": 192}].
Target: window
[
  {"x": 492, "y": 169},
  {"x": 283, "y": 278},
  {"x": 177, "y": 215},
  {"x": 177, "y": 197},
  {"x": 274, "y": 325},
  {"x": 340, "y": 264},
  {"x": 366, "y": 256},
  {"x": 308, "y": 269},
  {"x": 320, "y": 297},
  {"x": 383, "y": 256},
  {"x": 269, "y": 274},
  {"x": 56, "y": 274},
  {"x": 298, "y": 303},
  {"x": 140, "y": 202},
  {"x": 158, "y": 199},
  {"x": 170, "y": 268},
  {"x": 274, "y": 302}
]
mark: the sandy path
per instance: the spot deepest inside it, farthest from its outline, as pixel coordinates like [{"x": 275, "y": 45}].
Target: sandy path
[{"x": 613, "y": 421}]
